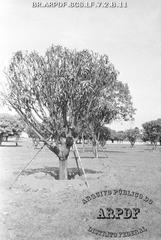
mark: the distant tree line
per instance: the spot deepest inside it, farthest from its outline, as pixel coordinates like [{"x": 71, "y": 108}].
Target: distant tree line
[
  {"x": 12, "y": 126},
  {"x": 150, "y": 132},
  {"x": 104, "y": 134}
]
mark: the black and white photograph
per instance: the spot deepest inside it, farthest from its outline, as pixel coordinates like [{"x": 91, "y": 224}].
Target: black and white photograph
[{"x": 80, "y": 120}]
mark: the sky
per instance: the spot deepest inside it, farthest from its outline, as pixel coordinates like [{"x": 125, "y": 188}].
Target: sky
[{"x": 131, "y": 37}]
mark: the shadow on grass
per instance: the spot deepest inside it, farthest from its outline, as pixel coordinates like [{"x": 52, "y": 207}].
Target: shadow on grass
[
  {"x": 92, "y": 157},
  {"x": 54, "y": 172},
  {"x": 102, "y": 151},
  {"x": 151, "y": 149},
  {"x": 8, "y": 145},
  {"x": 114, "y": 151}
]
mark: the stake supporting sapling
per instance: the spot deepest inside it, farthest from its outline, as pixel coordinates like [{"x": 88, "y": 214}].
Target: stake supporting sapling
[{"x": 85, "y": 177}]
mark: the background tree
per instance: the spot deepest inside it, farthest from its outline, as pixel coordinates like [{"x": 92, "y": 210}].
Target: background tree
[
  {"x": 113, "y": 135},
  {"x": 10, "y": 126},
  {"x": 56, "y": 93},
  {"x": 132, "y": 135},
  {"x": 103, "y": 134},
  {"x": 120, "y": 136},
  {"x": 144, "y": 136},
  {"x": 152, "y": 131}
]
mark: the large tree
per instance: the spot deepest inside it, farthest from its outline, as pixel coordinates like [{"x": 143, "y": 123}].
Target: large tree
[{"x": 60, "y": 92}]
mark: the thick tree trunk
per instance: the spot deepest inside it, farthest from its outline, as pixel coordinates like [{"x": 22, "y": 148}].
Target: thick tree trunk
[
  {"x": 95, "y": 148},
  {"x": 63, "y": 170},
  {"x": 62, "y": 151},
  {"x": 17, "y": 139},
  {"x": 132, "y": 144},
  {"x": 95, "y": 151}
]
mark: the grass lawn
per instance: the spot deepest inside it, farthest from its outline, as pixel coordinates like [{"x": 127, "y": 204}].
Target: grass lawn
[{"x": 41, "y": 207}]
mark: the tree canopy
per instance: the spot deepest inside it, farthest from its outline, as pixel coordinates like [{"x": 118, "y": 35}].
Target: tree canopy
[{"x": 65, "y": 88}]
